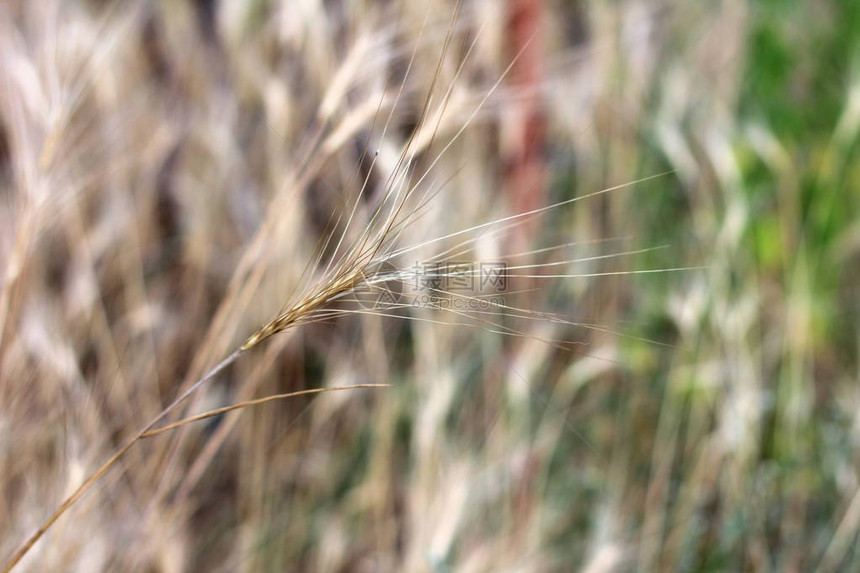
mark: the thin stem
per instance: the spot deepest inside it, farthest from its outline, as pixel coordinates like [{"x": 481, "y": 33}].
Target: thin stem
[
  {"x": 97, "y": 475},
  {"x": 240, "y": 405}
]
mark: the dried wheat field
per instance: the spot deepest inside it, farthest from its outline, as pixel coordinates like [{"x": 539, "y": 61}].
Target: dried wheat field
[{"x": 469, "y": 285}]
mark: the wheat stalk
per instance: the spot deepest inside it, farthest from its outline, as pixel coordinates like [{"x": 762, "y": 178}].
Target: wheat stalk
[
  {"x": 359, "y": 269},
  {"x": 352, "y": 270}
]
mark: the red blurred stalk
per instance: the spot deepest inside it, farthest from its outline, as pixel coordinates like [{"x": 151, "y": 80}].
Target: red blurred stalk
[{"x": 524, "y": 122}]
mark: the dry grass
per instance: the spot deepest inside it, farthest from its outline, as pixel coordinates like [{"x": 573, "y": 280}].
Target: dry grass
[{"x": 172, "y": 173}]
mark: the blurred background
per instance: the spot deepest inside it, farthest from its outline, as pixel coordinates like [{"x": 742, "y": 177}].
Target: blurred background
[{"x": 167, "y": 169}]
